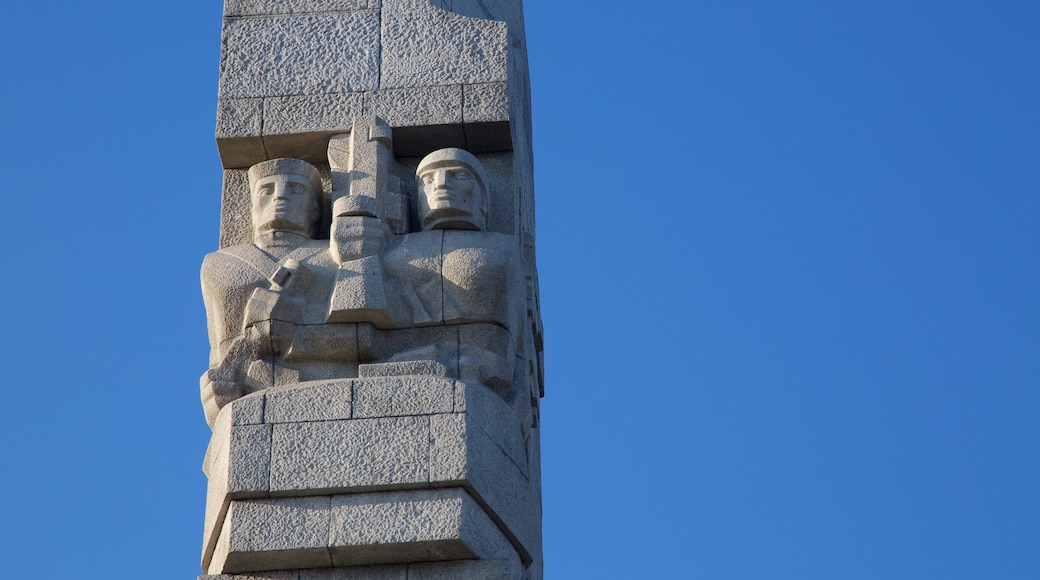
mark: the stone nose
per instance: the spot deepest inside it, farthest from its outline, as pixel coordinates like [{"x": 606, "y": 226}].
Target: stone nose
[{"x": 440, "y": 179}]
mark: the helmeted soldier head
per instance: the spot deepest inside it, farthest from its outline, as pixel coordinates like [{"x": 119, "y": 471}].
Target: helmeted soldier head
[
  {"x": 286, "y": 196},
  {"x": 452, "y": 191}
]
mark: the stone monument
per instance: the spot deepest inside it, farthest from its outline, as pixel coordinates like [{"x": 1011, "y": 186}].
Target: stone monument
[{"x": 376, "y": 347}]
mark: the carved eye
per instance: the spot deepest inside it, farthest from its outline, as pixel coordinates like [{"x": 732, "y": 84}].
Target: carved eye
[
  {"x": 427, "y": 179},
  {"x": 461, "y": 176},
  {"x": 266, "y": 190}
]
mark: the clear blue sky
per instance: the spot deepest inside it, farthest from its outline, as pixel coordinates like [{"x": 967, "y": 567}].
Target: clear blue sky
[{"x": 789, "y": 275}]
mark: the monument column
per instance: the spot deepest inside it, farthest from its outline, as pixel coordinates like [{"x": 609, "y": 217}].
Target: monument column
[{"x": 376, "y": 346}]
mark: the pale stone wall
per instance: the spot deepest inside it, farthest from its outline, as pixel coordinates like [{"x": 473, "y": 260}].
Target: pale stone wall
[{"x": 373, "y": 385}]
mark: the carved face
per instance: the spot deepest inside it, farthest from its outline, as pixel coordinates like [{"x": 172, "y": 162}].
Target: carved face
[
  {"x": 451, "y": 198},
  {"x": 284, "y": 203}
]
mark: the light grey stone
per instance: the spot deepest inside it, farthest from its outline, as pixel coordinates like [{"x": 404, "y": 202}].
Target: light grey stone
[
  {"x": 270, "y": 7},
  {"x": 239, "y": 131},
  {"x": 496, "y": 569},
  {"x": 311, "y": 401},
  {"x": 346, "y": 455},
  {"x": 427, "y": 368},
  {"x": 410, "y": 526},
  {"x": 477, "y": 265},
  {"x": 486, "y": 356},
  {"x": 486, "y": 410},
  {"x": 462, "y": 454},
  {"x": 417, "y": 105},
  {"x": 486, "y": 103},
  {"x": 392, "y": 572},
  {"x": 401, "y": 396},
  {"x": 278, "y": 575},
  {"x": 300, "y": 125},
  {"x": 277, "y": 533},
  {"x": 423, "y": 46},
  {"x": 311, "y": 54},
  {"x": 427, "y": 343},
  {"x": 486, "y": 117},
  {"x": 238, "y": 466},
  {"x": 236, "y": 223}
]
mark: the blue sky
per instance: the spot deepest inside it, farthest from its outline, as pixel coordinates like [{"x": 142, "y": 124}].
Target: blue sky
[{"x": 788, "y": 256}]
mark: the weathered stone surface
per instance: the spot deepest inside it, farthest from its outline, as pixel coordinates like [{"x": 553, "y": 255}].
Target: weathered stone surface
[
  {"x": 391, "y": 572},
  {"x": 346, "y": 455},
  {"x": 414, "y": 427},
  {"x": 423, "y": 46},
  {"x": 309, "y": 54},
  {"x": 492, "y": 569},
  {"x": 239, "y": 131},
  {"x": 271, "y": 534},
  {"x": 401, "y": 527},
  {"x": 462, "y": 453},
  {"x": 300, "y": 125},
  {"x": 402, "y": 396},
  {"x": 312, "y": 401},
  {"x": 269, "y": 7}
]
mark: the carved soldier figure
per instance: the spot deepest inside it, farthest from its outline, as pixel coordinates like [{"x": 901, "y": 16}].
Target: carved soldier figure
[{"x": 248, "y": 287}]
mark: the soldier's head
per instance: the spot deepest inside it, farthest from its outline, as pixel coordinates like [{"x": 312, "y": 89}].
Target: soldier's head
[
  {"x": 286, "y": 196},
  {"x": 452, "y": 191}
]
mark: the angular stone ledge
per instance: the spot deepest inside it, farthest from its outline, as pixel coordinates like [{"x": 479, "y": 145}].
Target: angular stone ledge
[
  {"x": 308, "y": 54},
  {"x": 356, "y": 530},
  {"x": 474, "y": 117},
  {"x": 434, "y": 432},
  {"x": 281, "y": 7},
  {"x": 490, "y": 569}
]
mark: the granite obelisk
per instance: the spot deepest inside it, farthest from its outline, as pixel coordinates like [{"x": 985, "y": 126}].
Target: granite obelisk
[{"x": 376, "y": 343}]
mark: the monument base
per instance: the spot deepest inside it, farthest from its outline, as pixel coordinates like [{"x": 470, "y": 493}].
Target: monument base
[
  {"x": 400, "y": 473},
  {"x": 475, "y": 569}
]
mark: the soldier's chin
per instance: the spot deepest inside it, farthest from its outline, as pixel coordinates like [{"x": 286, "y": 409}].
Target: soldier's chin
[
  {"x": 282, "y": 225},
  {"x": 450, "y": 219}
]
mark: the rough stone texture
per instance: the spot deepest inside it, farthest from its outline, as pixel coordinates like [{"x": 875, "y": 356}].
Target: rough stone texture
[
  {"x": 315, "y": 401},
  {"x": 442, "y": 524},
  {"x": 310, "y": 55},
  {"x": 359, "y": 531},
  {"x": 270, "y": 7},
  {"x": 443, "y": 393},
  {"x": 269, "y": 534},
  {"x": 347, "y": 455},
  {"x": 427, "y": 47},
  {"x": 300, "y": 125},
  {"x": 402, "y": 396},
  {"x": 240, "y": 131}
]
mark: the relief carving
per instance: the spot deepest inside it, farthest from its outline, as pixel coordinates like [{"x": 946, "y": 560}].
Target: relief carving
[{"x": 375, "y": 298}]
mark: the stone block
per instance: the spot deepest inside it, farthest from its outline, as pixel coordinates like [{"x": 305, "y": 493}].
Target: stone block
[
  {"x": 238, "y": 466},
  {"x": 495, "y": 418},
  {"x": 306, "y": 54},
  {"x": 278, "y": 575},
  {"x": 437, "y": 343},
  {"x": 272, "y": 534},
  {"x": 486, "y": 356},
  {"x": 395, "y": 572},
  {"x": 428, "y": 368},
  {"x": 462, "y": 453},
  {"x": 424, "y": 46},
  {"x": 236, "y": 220},
  {"x": 239, "y": 126},
  {"x": 496, "y": 569},
  {"x": 347, "y": 455},
  {"x": 426, "y": 105},
  {"x": 402, "y": 396},
  {"x": 311, "y": 401},
  {"x": 409, "y": 526},
  {"x": 300, "y": 125},
  {"x": 272, "y": 7},
  {"x": 486, "y": 103}
]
